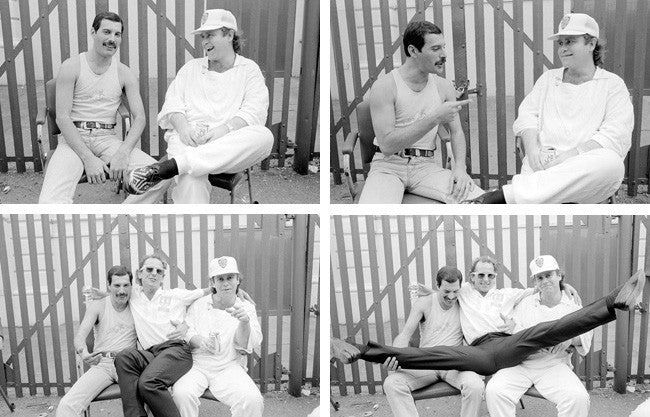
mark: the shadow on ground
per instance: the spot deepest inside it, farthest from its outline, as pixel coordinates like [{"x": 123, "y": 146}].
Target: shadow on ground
[{"x": 274, "y": 186}]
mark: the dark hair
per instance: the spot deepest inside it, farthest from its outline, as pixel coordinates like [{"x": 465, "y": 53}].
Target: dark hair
[
  {"x": 120, "y": 271},
  {"x": 113, "y": 17},
  {"x": 415, "y": 32},
  {"x": 450, "y": 274},
  {"x": 599, "y": 50},
  {"x": 485, "y": 259},
  {"x": 237, "y": 42}
]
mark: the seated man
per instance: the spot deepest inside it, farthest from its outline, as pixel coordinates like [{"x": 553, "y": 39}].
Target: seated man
[
  {"x": 407, "y": 105},
  {"x": 222, "y": 329},
  {"x": 214, "y": 113},
  {"x": 89, "y": 90},
  {"x": 549, "y": 369},
  {"x": 498, "y": 350},
  {"x": 575, "y": 125},
  {"x": 111, "y": 320},
  {"x": 438, "y": 316}
]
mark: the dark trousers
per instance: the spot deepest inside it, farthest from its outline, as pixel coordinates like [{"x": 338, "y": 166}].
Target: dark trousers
[
  {"x": 497, "y": 350},
  {"x": 145, "y": 375}
]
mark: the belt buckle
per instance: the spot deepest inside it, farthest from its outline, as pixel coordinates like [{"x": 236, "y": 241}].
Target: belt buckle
[{"x": 109, "y": 355}]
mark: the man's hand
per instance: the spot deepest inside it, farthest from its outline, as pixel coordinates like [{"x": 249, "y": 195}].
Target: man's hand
[
  {"x": 460, "y": 183},
  {"x": 239, "y": 313},
  {"x": 118, "y": 164},
  {"x": 179, "y": 332},
  {"x": 420, "y": 290},
  {"x": 96, "y": 170},
  {"x": 391, "y": 365},
  {"x": 97, "y": 294},
  {"x": 535, "y": 159},
  {"x": 561, "y": 158},
  {"x": 243, "y": 295},
  {"x": 508, "y": 324},
  {"x": 447, "y": 112},
  {"x": 573, "y": 293},
  {"x": 91, "y": 359}
]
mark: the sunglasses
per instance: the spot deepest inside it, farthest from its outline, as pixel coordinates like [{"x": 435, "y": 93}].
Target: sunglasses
[
  {"x": 484, "y": 275},
  {"x": 151, "y": 270}
]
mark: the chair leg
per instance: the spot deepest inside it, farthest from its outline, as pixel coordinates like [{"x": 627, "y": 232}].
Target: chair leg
[
  {"x": 87, "y": 412},
  {"x": 232, "y": 196},
  {"x": 250, "y": 187},
  {"x": 521, "y": 401}
]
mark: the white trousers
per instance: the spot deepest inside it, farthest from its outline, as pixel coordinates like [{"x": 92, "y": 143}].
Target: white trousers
[
  {"x": 591, "y": 177},
  {"x": 231, "y": 153},
  {"x": 87, "y": 387},
  {"x": 643, "y": 410},
  {"x": 65, "y": 168},
  {"x": 558, "y": 384},
  {"x": 399, "y": 385},
  {"x": 391, "y": 176},
  {"x": 232, "y": 386}
]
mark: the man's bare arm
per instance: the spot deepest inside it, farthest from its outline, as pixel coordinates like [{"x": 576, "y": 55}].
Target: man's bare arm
[
  {"x": 86, "y": 326},
  {"x": 95, "y": 168},
  {"x": 393, "y": 139},
  {"x": 417, "y": 312},
  {"x": 119, "y": 161}
]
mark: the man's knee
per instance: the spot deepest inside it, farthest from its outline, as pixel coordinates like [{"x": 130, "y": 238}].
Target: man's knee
[
  {"x": 577, "y": 396},
  {"x": 124, "y": 359},
  {"x": 472, "y": 387},
  {"x": 495, "y": 390},
  {"x": 251, "y": 401},
  {"x": 394, "y": 384}
]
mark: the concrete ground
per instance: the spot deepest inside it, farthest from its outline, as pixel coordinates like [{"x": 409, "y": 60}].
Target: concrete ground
[
  {"x": 275, "y": 186},
  {"x": 604, "y": 403},
  {"x": 275, "y": 404}
]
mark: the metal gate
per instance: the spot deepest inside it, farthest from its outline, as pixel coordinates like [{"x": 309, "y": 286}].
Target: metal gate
[
  {"x": 375, "y": 258},
  {"x": 46, "y": 260},
  {"x": 498, "y": 49}
]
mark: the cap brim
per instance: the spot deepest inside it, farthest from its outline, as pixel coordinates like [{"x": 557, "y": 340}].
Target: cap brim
[
  {"x": 209, "y": 28},
  {"x": 568, "y": 33}
]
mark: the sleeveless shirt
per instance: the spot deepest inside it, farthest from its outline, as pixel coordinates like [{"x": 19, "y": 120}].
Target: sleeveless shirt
[
  {"x": 442, "y": 327},
  {"x": 96, "y": 97},
  {"x": 115, "y": 331},
  {"x": 411, "y": 106}
]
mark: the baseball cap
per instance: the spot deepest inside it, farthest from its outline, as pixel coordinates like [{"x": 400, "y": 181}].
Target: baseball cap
[
  {"x": 542, "y": 264},
  {"x": 215, "y": 19},
  {"x": 576, "y": 24},
  {"x": 223, "y": 265}
]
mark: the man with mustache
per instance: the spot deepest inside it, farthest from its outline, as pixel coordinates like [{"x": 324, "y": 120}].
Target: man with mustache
[
  {"x": 214, "y": 113},
  {"x": 438, "y": 316},
  {"x": 89, "y": 90},
  {"x": 407, "y": 106},
  {"x": 549, "y": 369},
  {"x": 111, "y": 320}
]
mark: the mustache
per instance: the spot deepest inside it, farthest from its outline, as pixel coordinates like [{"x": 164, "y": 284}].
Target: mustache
[
  {"x": 441, "y": 60},
  {"x": 109, "y": 43}
]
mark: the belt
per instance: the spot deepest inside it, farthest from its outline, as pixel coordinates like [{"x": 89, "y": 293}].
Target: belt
[
  {"x": 416, "y": 152},
  {"x": 109, "y": 355},
  {"x": 94, "y": 125}
]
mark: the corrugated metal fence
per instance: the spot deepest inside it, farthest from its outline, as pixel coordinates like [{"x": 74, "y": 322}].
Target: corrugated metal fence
[
  {"x": 156, "y": 53},
  {"x": 496, "y": 47},
  {"x": 375, "y": 258},
  {"x": 46, "y": 260}
]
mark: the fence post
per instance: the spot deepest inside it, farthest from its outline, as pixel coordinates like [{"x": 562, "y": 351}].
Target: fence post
[
  {"x": 298, "y": 283},
  {"x": 125, "y": 240},
  {"x": 308, "y": 87},
  {"x": 622, "y": 319}
]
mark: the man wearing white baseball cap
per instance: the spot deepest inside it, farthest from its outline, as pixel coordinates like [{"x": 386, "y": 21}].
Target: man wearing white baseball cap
[
  {"x": 575, "y": 126},
  {"x": 222, "y": 330},
  {"x": 549, "y": 369},
  {"x": 214, "y": 113}
]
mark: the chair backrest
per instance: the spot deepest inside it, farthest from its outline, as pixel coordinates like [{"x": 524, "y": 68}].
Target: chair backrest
[
  {"x": 50, "y": 107},
  {"x": 366, "y": 134}
]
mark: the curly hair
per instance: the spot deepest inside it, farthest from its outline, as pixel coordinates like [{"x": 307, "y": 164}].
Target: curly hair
[
  {"x": 599, "y": 50},
  {"x": 237, "y": 41}
]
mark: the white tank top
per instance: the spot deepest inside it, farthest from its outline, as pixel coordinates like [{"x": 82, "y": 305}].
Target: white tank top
[
  {"x": 96, "y": 97},
  {"x": 442, "y": 327},
  {"x": 115, "y": 330},
  {"x": 411, "y": 106}
]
